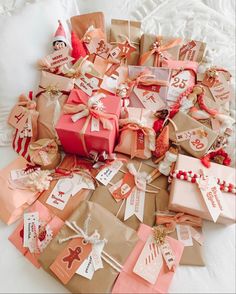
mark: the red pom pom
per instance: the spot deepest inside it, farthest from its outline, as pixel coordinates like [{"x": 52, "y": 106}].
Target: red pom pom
[
  {"x": 77, "y": 47},
  {"x": 206, "y": 161},
  {"x": 227, "y": 161}
]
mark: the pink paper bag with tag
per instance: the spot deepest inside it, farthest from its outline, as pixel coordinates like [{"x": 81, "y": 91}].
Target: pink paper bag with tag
[
  {"x": 50, "y": 225},
  {"x": 14, "y": 201},
  {"x": 129, "y": 282},
  {"x": 79, "y": 133}
]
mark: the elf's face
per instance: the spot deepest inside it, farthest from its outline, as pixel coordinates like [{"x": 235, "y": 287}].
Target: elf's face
[{"x": 59, "y": 45}]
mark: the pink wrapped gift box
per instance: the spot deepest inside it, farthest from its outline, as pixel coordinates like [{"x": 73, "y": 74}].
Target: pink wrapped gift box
[
  {"x": 159, "y": 95},
  {"x": 47, "y": 218},
  {"x": 14, "y": 201},
  {"x": 186, "y": 196},
  {"x": 78, "y": 139},
  {"x": 129, "y": 282}
]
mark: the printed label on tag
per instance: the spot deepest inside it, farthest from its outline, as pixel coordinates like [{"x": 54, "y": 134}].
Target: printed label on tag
[
  {"x": 135, "y": 204},
  {"x": 186, "y": 135},
  {"x": 150, "y": 100},
  {"x": 107, "y": 173},
  {"x": 31, "y": 225},
  {"x": 123, "y": 188},
  {"x": 18, "y": 117},
  {"x": 140, "y": 141},
  {"x": 198, "y": 142},
  {"x": 191, "y": 51},
  {"x": 58, "y": 58},
  {"x": 212, "y": 196},
  {"x": 94, "y": 125},
  {"x": 70, "y": 259},
  {"x": 185, "y": 48},
  {"x": 61, "y": 193},
  {"x": 150, "y": 262},
  {"x": 82, "y": 182},
  {"x": 178, "y": 84},
  {"x": 184, "y": 234},
  {"x": 168, "y": 255},
  {"x": 88, "y": 84},
  {"x": 197, "y": 235},
  {"x": 44, "y": 157},
  {"x": 18, "y": 174},
  {"x": 115, "y": 52},
  {"x": 92, "y": 263},
  {"x": 99, "y": 47},
  {"x": 221, "y": 90}
]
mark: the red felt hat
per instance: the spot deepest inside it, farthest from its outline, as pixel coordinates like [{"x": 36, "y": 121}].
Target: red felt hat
[{"x": 60, "y": 34}]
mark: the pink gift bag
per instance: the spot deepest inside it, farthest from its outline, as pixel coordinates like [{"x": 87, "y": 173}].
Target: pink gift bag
[
  {"x": 49, "y": 226},
  {"x": 14, "y": 201},
  {"x": 129, "y": 282}
]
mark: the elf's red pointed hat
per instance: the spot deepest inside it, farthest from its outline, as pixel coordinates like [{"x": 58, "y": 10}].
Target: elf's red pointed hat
[{"x": 60, "y": 34}]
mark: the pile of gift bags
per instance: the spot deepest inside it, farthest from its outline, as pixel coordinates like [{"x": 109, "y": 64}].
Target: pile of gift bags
[{"x": 122, "y": 154}]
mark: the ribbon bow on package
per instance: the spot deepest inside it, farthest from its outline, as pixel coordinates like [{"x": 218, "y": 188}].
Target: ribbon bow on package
[
  {"x": 156, "y": 49},
  {"x": 137, "y": 137},
  {"x": 150, "y": 267},
  {"x": 89, "y": 251},
  {"x": 35, "y": 232},
  {"x": 89, "y": 124},
  {"x": 23, "y": 118}
]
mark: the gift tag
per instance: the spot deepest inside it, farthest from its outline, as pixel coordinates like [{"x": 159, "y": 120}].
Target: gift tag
[
  {"x": 99, "y": 47},
  {"x": 18, "y": 117},
  {"x": 198, "y": 142},
  {"x": 61, "y": 193},
  {"x": 88, "y": 84},
  {"x": 123, "y": 188},
  {"x": 82, "y": 182},
  {"x": 186, "y": 135},
  {"x": 58, "y": 58},
  {"x": 212, "y": 196},
  {"x": 70, "y": 259},
  {"x": 178, "y": 84},
  {"x": 140, "y": 140},
  {"x": 150, "y": 262},
  {"x": 107, "y": 173},
  {"x": 168, "y": 255},
  {"x": 31, "y": 226},
  {"x": 45, "y": 236},
  {"x": 94, "y": 125},
  {"x": 18, "y": 174},
  {"x": 126, "y": 49},
  {"x": 115, "y": 52},
  {"x": 221, "y": 90},
  {"x": 150, "y": 100},
  {"x": 191, "y": 51},
  {"x": 135, "y": 204},
  {"x": 184, "y": 234}
]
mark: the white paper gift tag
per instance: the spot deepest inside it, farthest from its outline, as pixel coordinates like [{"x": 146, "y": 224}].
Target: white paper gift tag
[
  {"x": 108, "y": 172},
  {"x": 61, "y": 193},
  {"x": 31, "y": 226},
  {"x": 94, "y": 125},
  {"x": 184, "y": 235},
  {"x": 221, "y": 91},
  {"x": 150, "y": 100},
  {"x": 88, "y": 85},
  {"x": 178, "y": 84},
  {"x": 212, "y": 196},
  {"x": 150, "y": 262},
  {"x": 80, "y": 183},
  {"x": 58, "y": 58}
]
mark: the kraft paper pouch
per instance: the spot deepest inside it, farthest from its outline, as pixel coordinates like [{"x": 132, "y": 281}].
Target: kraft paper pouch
[
  {"x": 121, "y": 29},
  {"x": 81, "y": 23},
  {"x": 193, "y": 137},
  {"x": 49, "y": 226},
  {"x": 130, "y": 282},
  {"x": 120, "y": 242},
  {"x": 192, "y": 255},
  {"x": 137, "y": 137},
  {"x": 45, "y": 153},
  {"x": 155, "y": 49},
  {"x": 52, "y": 94},
  {"x": 14, "y": 201},
  {"x": 192, "y": 50},
  {"x": 145, "y": 95},
  {"x": 68, "y": 190},
  {"x": 187, "y": 197},
  {"x": 104, "y": 197}
]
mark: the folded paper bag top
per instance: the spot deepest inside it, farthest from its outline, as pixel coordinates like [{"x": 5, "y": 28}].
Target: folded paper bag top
[
  {"x": 187, "y": 197},
  {"x": 14, "y": 201},
  {"x": 120, "y": 242},
  {"x": 130, "y": 282}
]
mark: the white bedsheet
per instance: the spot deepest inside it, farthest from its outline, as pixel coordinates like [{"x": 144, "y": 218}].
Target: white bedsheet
[{"x": 209, "y": 20}]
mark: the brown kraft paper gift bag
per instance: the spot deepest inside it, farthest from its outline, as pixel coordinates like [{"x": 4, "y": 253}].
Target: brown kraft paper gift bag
[
  {"x": 81, "y": 23},
  {"x": 104, "y": 197},
  {"x": 131, "y": 30},
  {"x": 120, "y": 242},
  {"x": 69, "y": 162},
  {"x": 192, "y": 255}
]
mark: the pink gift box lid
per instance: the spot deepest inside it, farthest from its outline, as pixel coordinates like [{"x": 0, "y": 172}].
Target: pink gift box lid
[
  {"x": 16, "y": 238},
  {"x": 186, "y": 197},
  {"x": 68, "y": 131},
  {"x": 129, "y": 282}
]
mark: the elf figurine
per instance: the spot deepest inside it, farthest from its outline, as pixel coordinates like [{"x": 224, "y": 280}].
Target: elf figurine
[{"x": 59, "y": 40}]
